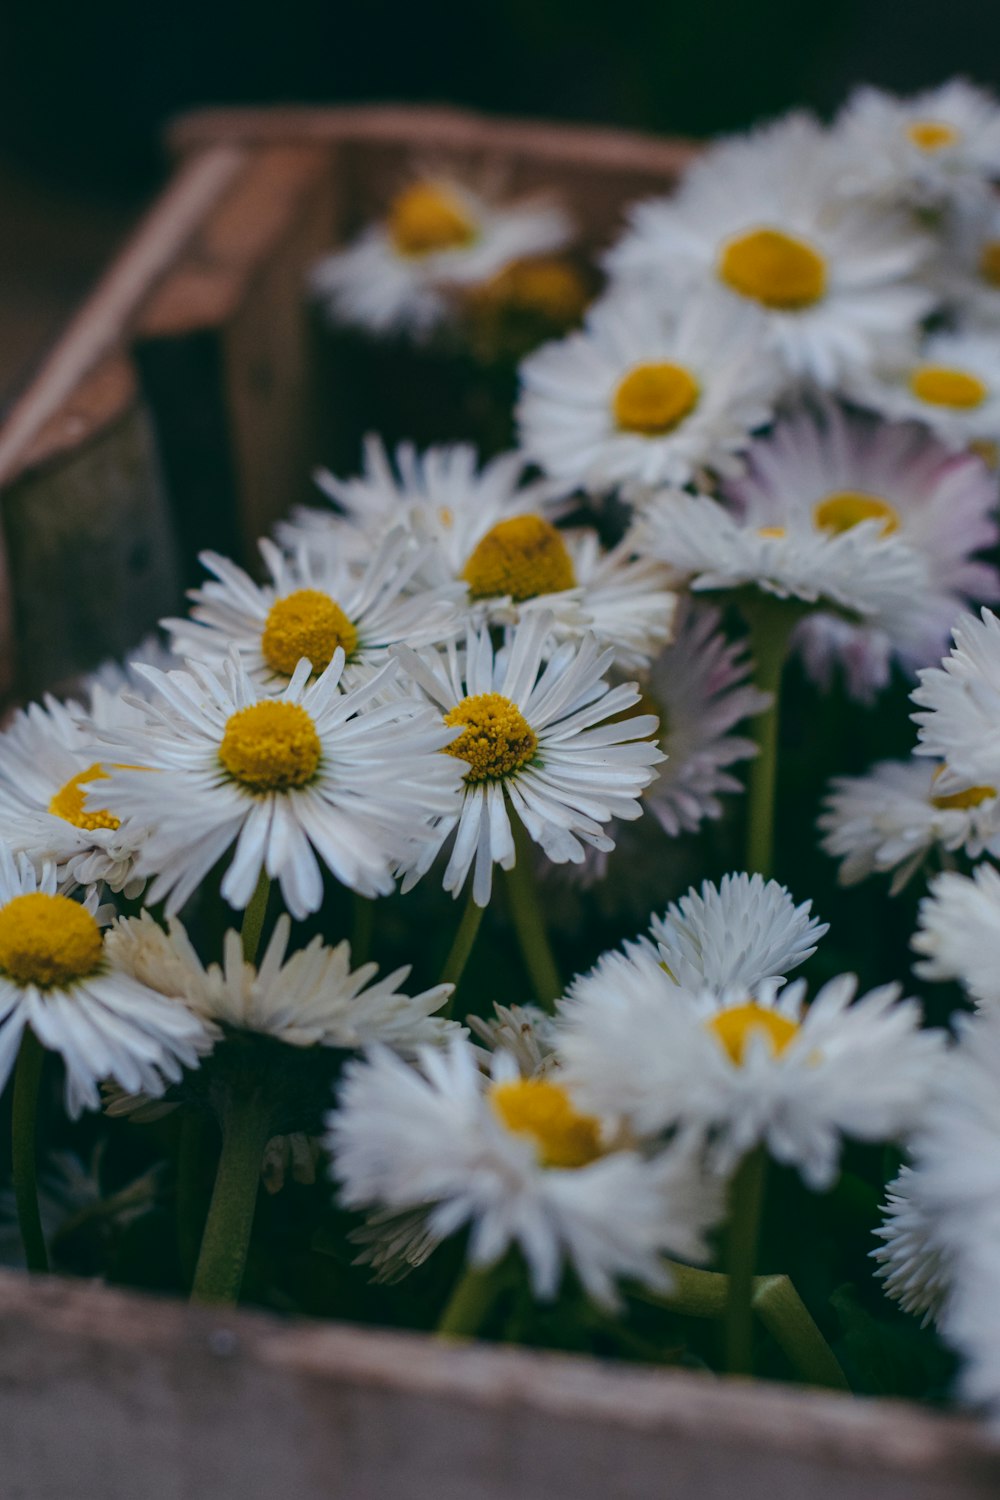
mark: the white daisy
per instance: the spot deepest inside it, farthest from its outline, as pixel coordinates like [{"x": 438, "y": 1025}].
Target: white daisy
[
  {"x": 54, "y": 805},
  {"x": 514, "y": 1161},
  {"x": 749, "y": 1066},
  {"x": 310, "y": 998},
  {"x": 435, "y": 493},
  {"x": 313, "y": 603},
  {"x": 546, "y": 744},
  {"x": 890, "y": 819},
  {"x": 760, "y": 215},
  {"x": 959, "y": 932},
  {"x": 951, "y": 383},
  {"x": 966, "y": 273},
  {"x": 912, "y": 1264},
  {"x": 926, "y": 150},
  {"x": 313, "y": 777},
  {"x": 735, "y": 935},
  {"x": 58, "y": 979},
  {"x": 960, "y": 703},
  {"x": 645, "y": 395},
  {"x": 439, "y": 237},
  {"x": 780, "y": 549},
  {"x": 837, "y": 470}
]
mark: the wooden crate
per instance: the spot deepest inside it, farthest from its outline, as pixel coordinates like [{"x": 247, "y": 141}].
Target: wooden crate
[{"x": 176, "y": 411}]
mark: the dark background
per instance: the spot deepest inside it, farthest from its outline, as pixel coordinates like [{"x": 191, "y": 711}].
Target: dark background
[{"x": 86, "y": 88}]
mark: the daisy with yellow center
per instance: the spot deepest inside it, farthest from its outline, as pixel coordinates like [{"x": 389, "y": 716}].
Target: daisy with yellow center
[
  {"x": 648, "y": 393},
  {"x": 321, "y": 777},
  {"x": 57, "y": 980},
  {"x": 538, "y": 735},
  {"x": 315, "y": 604},
  {"x": 893, "y": 818},
  {"x": 951, "y": 384},
  {"x": 54, "y": 797},
  {"x": 436, "y": 1149},
  {"x": 440, "y": 242},
  {"x": 763, "y": 219},
  {"x": 935, "y": 150},
  {"x": 751, "y": 1066}
]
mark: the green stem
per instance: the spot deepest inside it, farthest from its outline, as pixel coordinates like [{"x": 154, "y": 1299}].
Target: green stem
[
  {"x": 471, "y": 1300},
  {"x": 192, "y": 1196},
  {"x": 791, "y": 1325},
  {"x": 746, "y": 1200},
  {"x": 770, "y": 624},
  {"x": 362, "y": 929},
  {"x": 694, "y": 1293},
  {"x": 529, "y": 925},
  {"x": 460, "y": 951},
  {"x": 246, "y": 1129},
  {"x": 24, "y": 1144},
  {"x": 253, "y": 917}
]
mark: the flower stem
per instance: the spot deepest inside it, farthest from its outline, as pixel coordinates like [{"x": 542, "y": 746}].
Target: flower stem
[
  {"x": 246, "y": 1129},
  {"x": 24, "y": 1139},
  {"x": 253, "y": 917},
  {"x": 471, "y": 1300},
  {"x": 529, "y": 925},
  {"x": 192, "y": 1188},
  {"x": 770, "y": 624},
  {"x": 791, "y": 1325},
  {"x": 746, "y": 1200},
  {"x": 461, "y": 949}
]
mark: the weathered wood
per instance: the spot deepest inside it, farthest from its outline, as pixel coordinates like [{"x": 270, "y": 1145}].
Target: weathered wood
[
  {"x": 222, "y": 347},
  {"x": 108, "y": 1396}
]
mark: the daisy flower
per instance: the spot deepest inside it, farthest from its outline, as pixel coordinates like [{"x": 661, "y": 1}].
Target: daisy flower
[
  {"x": 58, "y": 979},
  {"x": 313, "y": 603},
  {"x": 780, "y": 549},
  {"x": 951, "y": 383},
  {"x": 546, "y": 744},
  {"x": 960, "y": 703},
  {"x": 439, "y": 238},
  {"x": 836, "y": 470},
  {"x": 311, "y": 998},
  {"x": 646, "y": 396},
  {"x": 54, "y": 804},
  {"x": 314, "y": 777},
  {"x": 927, "y": 150},
  {"x": 750, "y": 1066},
  {"x": 515, "y": 1162},
  {"x": 890, "y": 819},
  {"x": 760, "y": 215},
  {"x": 958, "y": 936},
  {"x": 912, "y": 1264},
  {"x": 966, "y": 273},
  {"x": 735, "y": 934}
]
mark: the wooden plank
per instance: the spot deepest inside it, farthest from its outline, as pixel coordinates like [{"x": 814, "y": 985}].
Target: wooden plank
[
  {"x": 223, "y": 347},
  {"x": 108, "y": 1395}
]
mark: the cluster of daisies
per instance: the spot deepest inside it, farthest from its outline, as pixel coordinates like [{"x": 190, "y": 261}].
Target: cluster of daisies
[{"x": 466, "y": 696}]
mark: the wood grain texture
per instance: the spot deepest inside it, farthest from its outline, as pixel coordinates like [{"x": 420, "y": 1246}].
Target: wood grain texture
[{"x": 109, "y": 1396}]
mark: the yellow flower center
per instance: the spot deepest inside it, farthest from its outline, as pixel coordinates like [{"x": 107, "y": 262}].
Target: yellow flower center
[
  {"x": 70, "y": 802},
  {"x": 987, "y": 451},
  {"x": 48, "y": 940},
  {"x": 498, "y": 740},
  {"x": 942, "y": 386},
  {"x": 271, "y": 747},
  {"x": 547, "y": 286},
  {"x": 847, "y": 508},
  {"x": 774, "y": 268},
  {"x": 771, "y": 531},
  {"x": 733, "y": 1029},
  {"x": 428, "y": 217},
  {"x": 542, "y": 1109},
  {"x": 931, "y": 135},
  {"x": 522, "y": 557},
  {"x": 972, "y": 796},
  {"x": 307, "y": 623},
  {"x": 989, "y": 262},
  {"x": 652, "y": 399}
]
